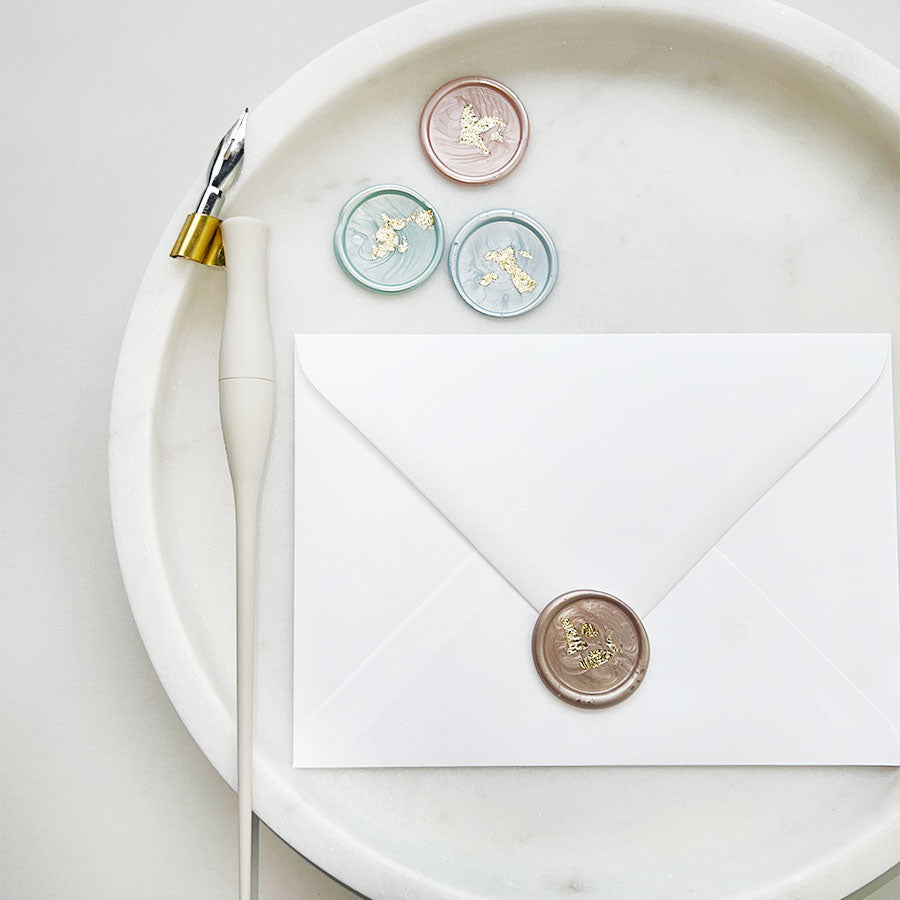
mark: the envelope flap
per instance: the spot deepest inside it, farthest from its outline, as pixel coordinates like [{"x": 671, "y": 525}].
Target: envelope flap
[{"x": 603, "y": 461}]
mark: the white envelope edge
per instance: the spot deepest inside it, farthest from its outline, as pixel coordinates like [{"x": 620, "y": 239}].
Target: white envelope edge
[{"x": 882, "y": 748}]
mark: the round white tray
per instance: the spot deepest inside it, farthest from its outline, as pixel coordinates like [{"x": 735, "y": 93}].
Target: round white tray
[{"x": 727, "y": 166}]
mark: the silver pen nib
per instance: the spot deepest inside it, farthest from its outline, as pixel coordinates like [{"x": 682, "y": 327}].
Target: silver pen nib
[{"x": 224, "y": 167}]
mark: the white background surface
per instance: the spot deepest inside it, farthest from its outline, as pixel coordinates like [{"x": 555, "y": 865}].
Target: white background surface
[{"x": 110, "y": 112}]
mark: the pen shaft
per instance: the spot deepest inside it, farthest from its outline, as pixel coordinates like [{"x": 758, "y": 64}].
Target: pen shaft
[{"x": 246, "y": 400}]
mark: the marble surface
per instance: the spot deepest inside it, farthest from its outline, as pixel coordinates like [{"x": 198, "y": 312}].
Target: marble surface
[{"x": 104, "y": 792}]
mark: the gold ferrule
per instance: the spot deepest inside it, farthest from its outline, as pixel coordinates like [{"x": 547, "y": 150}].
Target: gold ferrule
[{"x": 200, "y": 240}]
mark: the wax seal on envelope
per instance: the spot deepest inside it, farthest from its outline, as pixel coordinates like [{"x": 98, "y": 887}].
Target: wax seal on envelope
[
  {"x": 474, "y": 130},
  {"x": 590, "y": 649},
  {"x": 388, "y": 238},
  {"x": 503, "y": 263}
]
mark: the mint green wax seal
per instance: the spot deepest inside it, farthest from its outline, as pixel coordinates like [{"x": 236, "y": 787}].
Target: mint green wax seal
[{"x": 388, "y": 238}]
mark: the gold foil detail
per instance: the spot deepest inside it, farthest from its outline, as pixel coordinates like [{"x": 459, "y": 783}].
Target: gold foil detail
[
  {"x": 424, "y": 218},
  {"x": 489, "y": 278},
  {"x": 386, "y": 236},
  {"x": 599, "y": 657},
  {"x": 506, "y": 259},
  {"x": 471, "y": 128},
  {"x": 573, "y": 642}
]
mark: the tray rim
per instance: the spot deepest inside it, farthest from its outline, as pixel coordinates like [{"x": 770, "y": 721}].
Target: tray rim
[{"x": 136, "y": 395}]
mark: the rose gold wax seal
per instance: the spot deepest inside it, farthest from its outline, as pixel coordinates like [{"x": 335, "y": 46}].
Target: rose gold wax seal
[
  {"x": 474, "y": 130},
  {"x": 590, "y": 649}
]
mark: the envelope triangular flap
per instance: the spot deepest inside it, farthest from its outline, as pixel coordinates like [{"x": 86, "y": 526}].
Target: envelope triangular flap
[{"x": 605, "y": 461}]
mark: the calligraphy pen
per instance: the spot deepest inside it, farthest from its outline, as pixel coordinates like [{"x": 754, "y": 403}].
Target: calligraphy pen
[{"x": 246, "y": 400}]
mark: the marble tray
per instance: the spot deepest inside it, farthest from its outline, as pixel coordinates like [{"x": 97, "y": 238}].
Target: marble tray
[{"x": 727, "y": 166}]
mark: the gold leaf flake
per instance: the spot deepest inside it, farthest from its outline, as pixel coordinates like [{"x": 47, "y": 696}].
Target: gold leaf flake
[
  {"x": 506, "y": 259},
  {"x": 386, "y": 235},
  {"x": 599, "y": 657},
  {"x": 424, "y": 218},
  {"x": 471, "y": 128}
]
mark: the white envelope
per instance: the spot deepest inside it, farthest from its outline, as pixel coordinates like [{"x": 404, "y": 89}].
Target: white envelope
[{"x": 737, "y": 491}]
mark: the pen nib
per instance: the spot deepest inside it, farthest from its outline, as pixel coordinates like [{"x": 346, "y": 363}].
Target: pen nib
[
  {"x": 224, "y": 167},
  {"x": 234, "y": 140}
]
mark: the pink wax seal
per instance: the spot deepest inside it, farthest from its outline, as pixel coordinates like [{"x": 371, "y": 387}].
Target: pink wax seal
[
  {"x": 590, "y": 649},
  {"x": 474, "y": 130}
]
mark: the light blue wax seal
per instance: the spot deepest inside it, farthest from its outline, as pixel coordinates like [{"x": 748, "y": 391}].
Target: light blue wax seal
[
  {"x": 388, "y": 238},
  {"x": 503, "y": 263}
]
